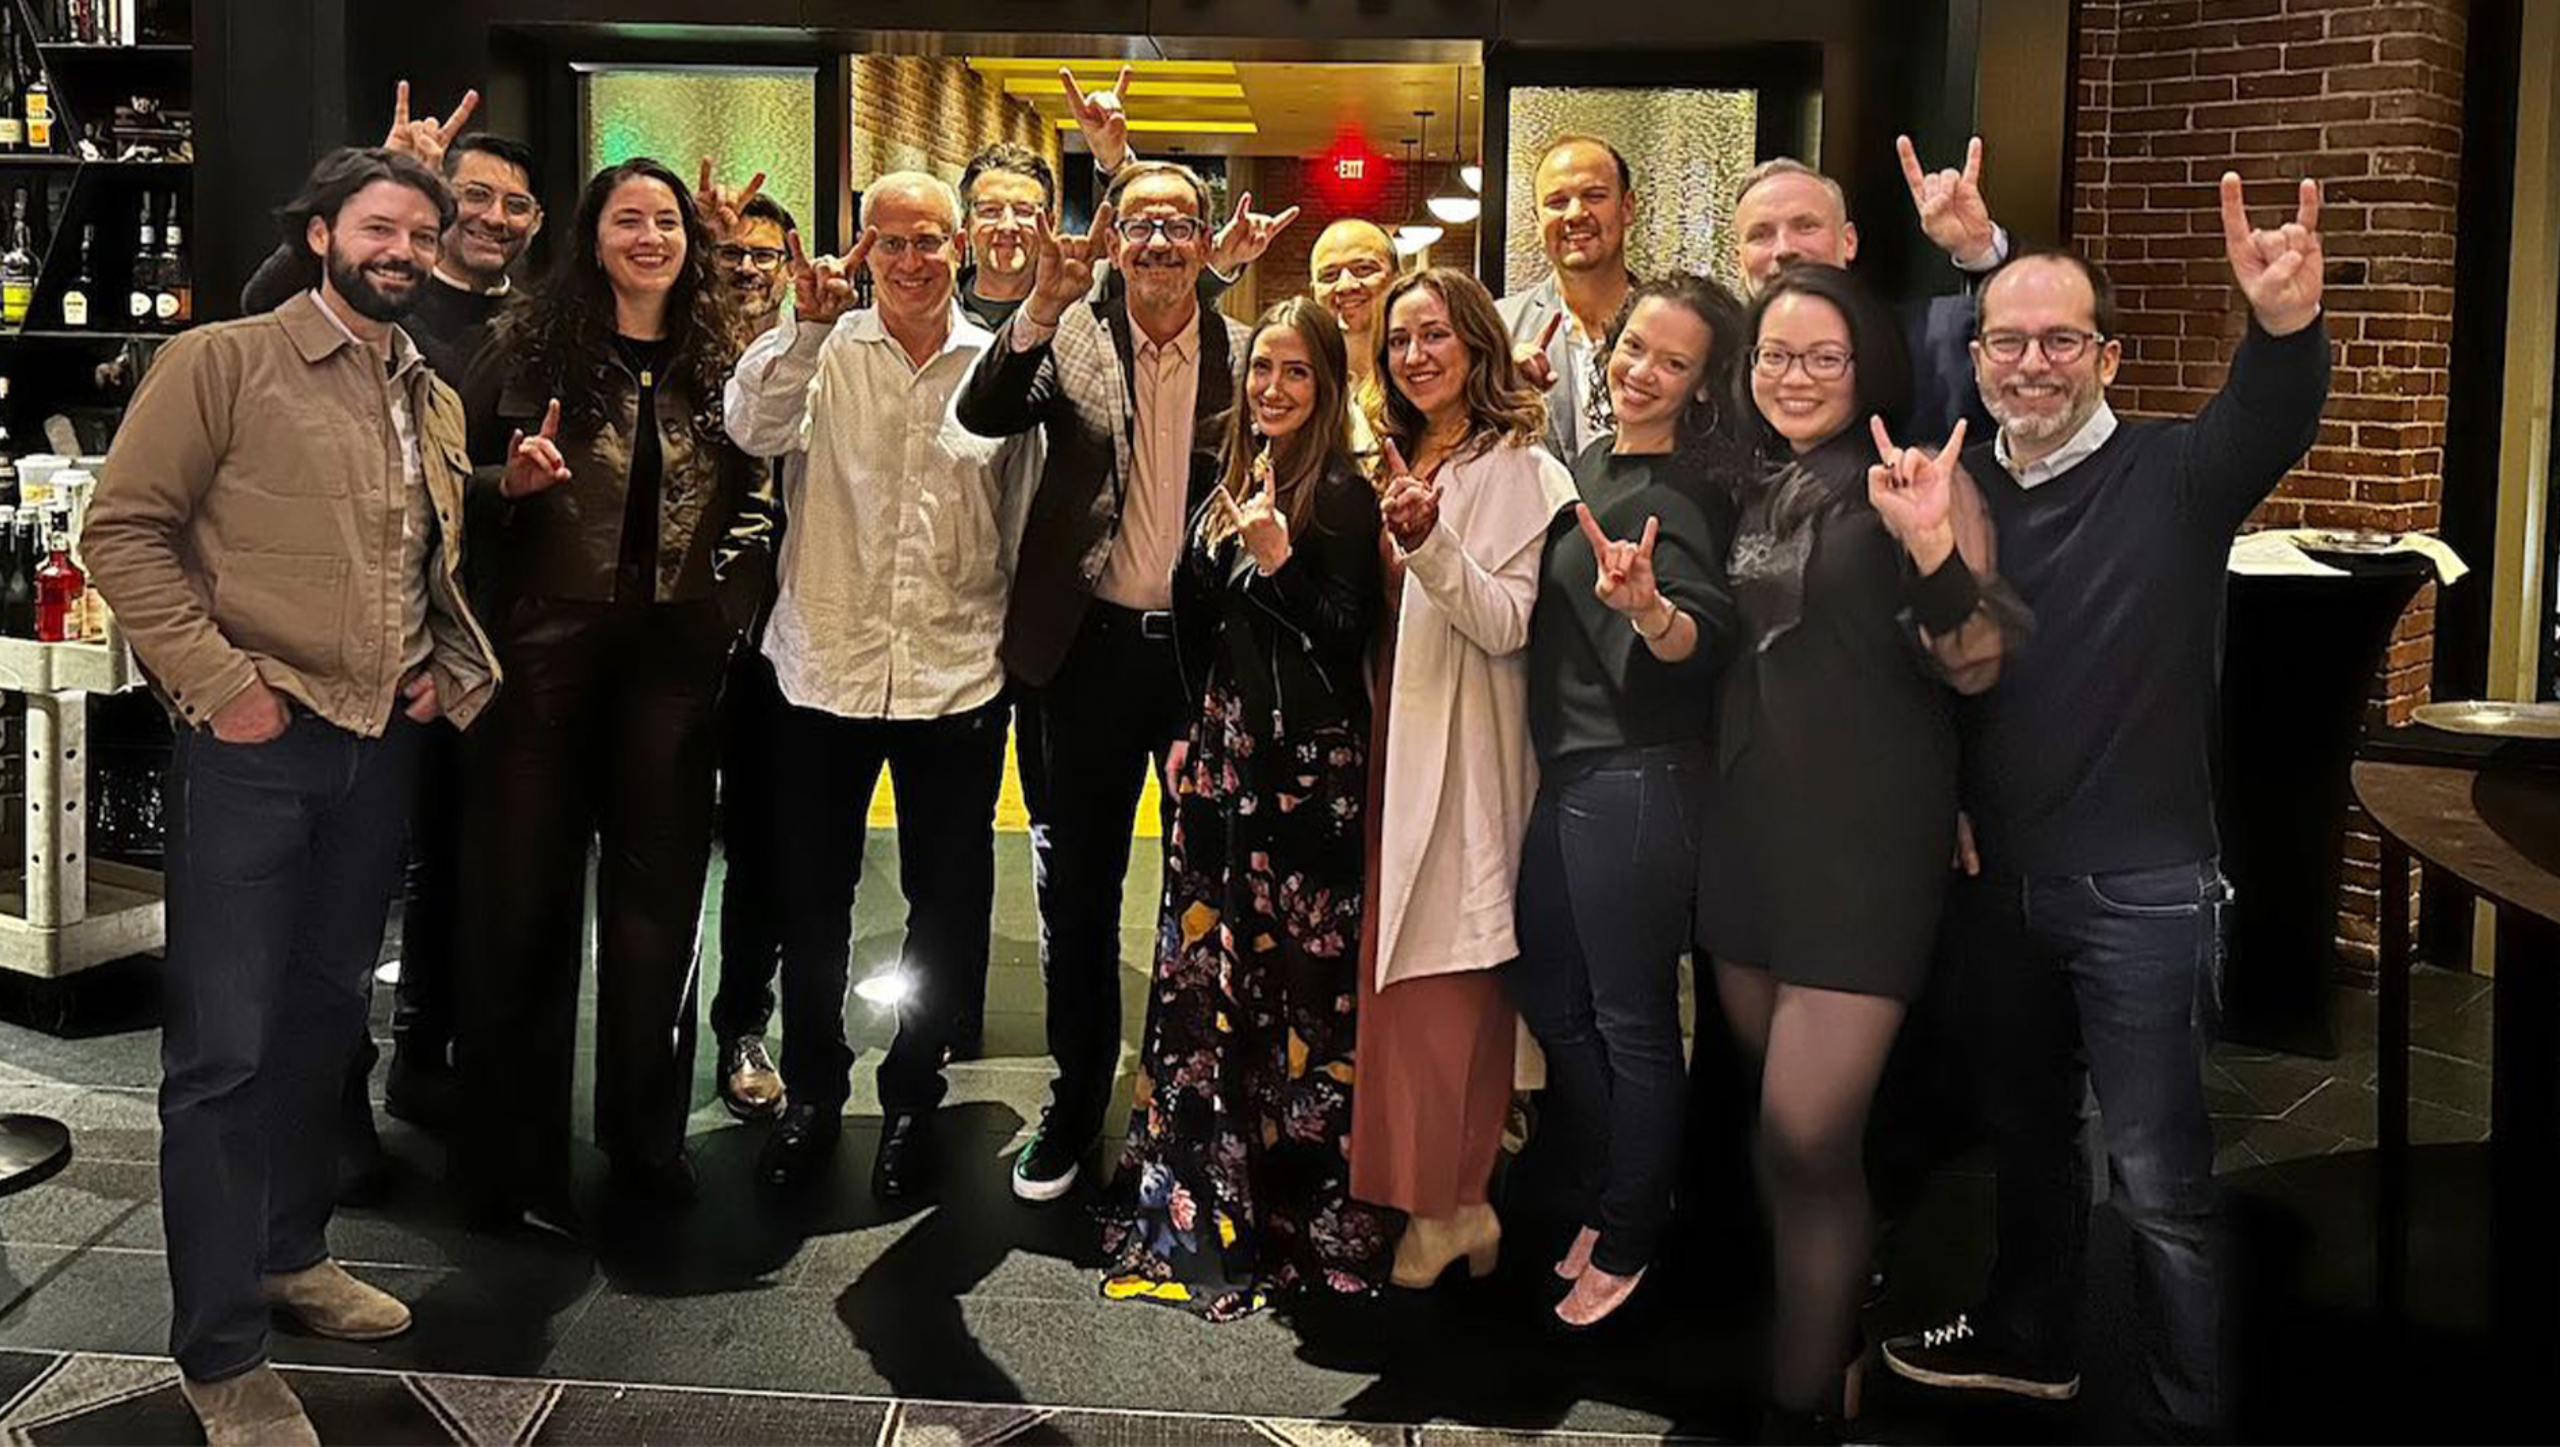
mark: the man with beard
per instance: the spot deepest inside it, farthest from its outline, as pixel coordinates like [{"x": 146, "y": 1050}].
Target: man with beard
[
  {"x": 2091, "y": 940},
  {"x": 1586, "y": 199},
  {"x": 750, "y": 260},
  {"x": 279, "y": 529},
  {"x": 1119, "y": 388}
]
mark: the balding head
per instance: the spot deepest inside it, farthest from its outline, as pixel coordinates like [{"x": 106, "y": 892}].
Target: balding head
[
  {"x": 1352, "y": 265},
  {"x": 1786, "y": 211}
]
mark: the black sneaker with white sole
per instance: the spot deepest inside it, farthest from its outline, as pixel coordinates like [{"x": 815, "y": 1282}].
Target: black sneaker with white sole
[
  {"x": 1960, "y": 1357},
  {"x": 1049, "y": 1164}
]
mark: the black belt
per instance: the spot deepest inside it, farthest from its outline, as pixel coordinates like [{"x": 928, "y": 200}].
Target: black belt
[{"x": 1150, "y": 623}]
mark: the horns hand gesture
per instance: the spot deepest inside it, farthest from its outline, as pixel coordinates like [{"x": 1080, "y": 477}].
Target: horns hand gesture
[
  {"x": 722, "y": 209},
  {"x": 534, "y": 463},
  {"x": 427, "y": 139},
  {"x": 1535, "y": 369},
  {"x": 1247, "y": 235},
  {"x": 1258, "y": 521},
  {"x": 1913, "y": 490},
  {"x": 822, "y": 288},
  {"x": 1062, "y": 265},
  {"x": 1103, "y": 116},
  {"x": 1409, "y": 506},
  {"x": 1626, "y": 583},
  {"x": 1952, "y": 212},
  {"x": 2279, "y": 270}
]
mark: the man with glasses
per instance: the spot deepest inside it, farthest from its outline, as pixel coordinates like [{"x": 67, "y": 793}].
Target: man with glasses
[
  {"x": 894, "y": 577},
  {"x": 2091, "y": 939},
  {"x": 750, "y": 261},
  {"x": 1348, "y": 273},
  {"x": 1119, "y": 387}
]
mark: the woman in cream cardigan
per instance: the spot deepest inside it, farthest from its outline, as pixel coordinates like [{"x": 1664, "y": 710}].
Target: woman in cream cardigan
[{"x": 1452, "y": 775}]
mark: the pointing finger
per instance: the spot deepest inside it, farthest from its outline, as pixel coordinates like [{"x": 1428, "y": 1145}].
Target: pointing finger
[
  {"x": 1395, "y": 462},
  {"x": 2307, "y": 212},
  {"x": 1885, "y": 450},
  {"x": 400, "y": 107},
  {"x": 1103, "y": 216},
  {"x": 862, "y": 248},
  {"x": 1244, "y": 205},
  {"x": 792, "y": 251},
  {"x": 703, "y": 186},
  {"x": 1652, "y": 531},
  {"x": 1120, "y": 87},
  {"x": 1912, "y": 175},
  {"x": 551, "y": 419},
  {"x": 2235, "y": 217},
  {"x": 1955, "y": 442},
  {"x": 1075, "y": 92},
  {"x": 1591, "y": 531},
  {"x": 1973, "y": 162},
  {"x": 1281, "y": 222},
  {"x": 1547, "y": 338}
]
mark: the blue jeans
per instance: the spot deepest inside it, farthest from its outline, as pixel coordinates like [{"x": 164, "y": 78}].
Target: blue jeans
[
  {"x": 282, "y": 859},
  {"x": 2111, "y": 980}
]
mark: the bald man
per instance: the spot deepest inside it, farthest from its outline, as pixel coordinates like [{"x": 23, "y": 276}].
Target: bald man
[{"x": 1348, "y": 273}]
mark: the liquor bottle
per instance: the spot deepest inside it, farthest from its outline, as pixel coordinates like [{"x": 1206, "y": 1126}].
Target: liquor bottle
[
  {"x": 84, "y": 285},
  {"x": 36, "y": 101},
  {"x": 13, "y": 131},
  {"x": 173, "y": 300},
  {"x": 17, "y": 266},
  {"x": 141, "y": 302},
  {"x": 17, "y": 588},
  {"x": 60, "y": 586}
]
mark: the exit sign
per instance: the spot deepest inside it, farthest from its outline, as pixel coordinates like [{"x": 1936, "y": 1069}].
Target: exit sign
[
  {"x": 1352, "y": 179},
  {"x": 1350, "y": 168}
]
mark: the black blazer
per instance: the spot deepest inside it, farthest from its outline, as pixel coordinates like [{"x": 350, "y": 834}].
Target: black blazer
[
  {"x": 1291, "y": 643},
  {"x": 1075, "y": 388}
]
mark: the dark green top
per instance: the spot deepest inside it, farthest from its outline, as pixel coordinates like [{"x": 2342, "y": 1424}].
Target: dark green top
[{"x": 1593, "y": 684}]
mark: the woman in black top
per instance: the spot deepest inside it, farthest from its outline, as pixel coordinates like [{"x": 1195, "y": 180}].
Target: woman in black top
[
  {"x": 1862, "y": 574},
  {"x": 1234, "y": 1185},
  {"x": 630, "y": 539},
  {"x": 1632, "y": 619}
]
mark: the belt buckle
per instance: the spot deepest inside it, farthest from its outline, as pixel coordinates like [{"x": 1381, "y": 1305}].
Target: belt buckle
[{"x": 1155, "y": 623}]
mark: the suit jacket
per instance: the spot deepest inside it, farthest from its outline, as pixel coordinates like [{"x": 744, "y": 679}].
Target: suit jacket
[
  {"x": 1939, "y": 331},
  {"x": 1527, "y": 314},
  {"x": 1075, "y": 388}
]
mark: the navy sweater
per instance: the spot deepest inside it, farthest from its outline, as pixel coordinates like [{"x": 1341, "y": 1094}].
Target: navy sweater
[{"x": 2095, "y": 750}]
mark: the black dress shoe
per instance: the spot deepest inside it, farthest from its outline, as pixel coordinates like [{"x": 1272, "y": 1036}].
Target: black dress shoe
[
  {"x": 905, "y": 1163},
  {"x": 968, "y": 1040},
  {"x": 801, "y": 1148},
  {"x": 420, "y": 1090},
  {"x": 666, "y": 1186}
]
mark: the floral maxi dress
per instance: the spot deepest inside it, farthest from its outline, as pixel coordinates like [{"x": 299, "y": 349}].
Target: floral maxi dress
[{"x": 1235, "y": 1182}]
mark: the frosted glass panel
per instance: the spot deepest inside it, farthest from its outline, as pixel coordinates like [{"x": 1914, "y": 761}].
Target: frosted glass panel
[
  {"x": 746, "y": 119},
  {"x": 1687, "y": 148}
]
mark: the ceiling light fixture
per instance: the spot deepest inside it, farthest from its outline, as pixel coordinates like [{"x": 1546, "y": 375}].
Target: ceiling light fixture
[
  {"x": 1413, "y": 236},
  {"x": 1454, "y": 206}
]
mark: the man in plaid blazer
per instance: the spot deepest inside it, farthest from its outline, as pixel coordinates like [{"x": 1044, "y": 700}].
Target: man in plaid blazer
[{"x": 1124, "y": 389}]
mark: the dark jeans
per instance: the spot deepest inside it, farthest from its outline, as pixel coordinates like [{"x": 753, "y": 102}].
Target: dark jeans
[
  {"x": 606, "y": 732},
  {"x": 2112, "y": 980},
  {"x": 430, "y": 919},
  {"x": 1605, "y": 880},
  {"x": 751, "y": 782},
  {"x": 1085, "y": 743},
  {"x": 946, "y": 772},
  {"x": 282, "y": 857}
]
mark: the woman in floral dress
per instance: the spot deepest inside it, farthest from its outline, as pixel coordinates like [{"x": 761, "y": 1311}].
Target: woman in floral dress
[{"x": 1235, "y": 1183}]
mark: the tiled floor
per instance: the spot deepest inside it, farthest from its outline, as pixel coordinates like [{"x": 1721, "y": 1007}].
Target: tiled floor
[{"x": 845, "y": 1320}]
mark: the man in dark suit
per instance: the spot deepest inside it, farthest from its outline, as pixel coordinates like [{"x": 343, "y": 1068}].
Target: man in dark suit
[{"x": 1123, "y": 387}]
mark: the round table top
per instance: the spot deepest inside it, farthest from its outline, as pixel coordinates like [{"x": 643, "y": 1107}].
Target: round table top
[
  {"x": 32, "y": 1148},
  {"x": 2495, "y": 829}
]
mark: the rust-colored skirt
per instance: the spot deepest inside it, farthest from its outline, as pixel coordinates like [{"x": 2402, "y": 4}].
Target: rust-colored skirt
[{"x": 1434, "y": 1054}]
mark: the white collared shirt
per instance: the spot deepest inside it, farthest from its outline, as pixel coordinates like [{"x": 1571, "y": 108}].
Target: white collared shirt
[
  {"x": 898, "y": 556},
  {"x": 417, "y": 511},
  {"x": 2093, "y": 434}
]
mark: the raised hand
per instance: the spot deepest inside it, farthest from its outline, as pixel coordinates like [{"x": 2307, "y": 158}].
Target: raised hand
[
  {"x": 1062, "y": 265},
  {"x": 1103, "y": 116},
  {"x": 430, "y": 138},
  {"x": 1246, "y": 236},
  {"x": 2279, "y": 270},
  {"x": 723, "y": 211},
  {"x": 1914, "y": 491},
  {"x": 1952, "y": 212},
  {"x": 822, "y": 289},
  {"x": 1626, "y": 583},
  {"x": 1258, "y": 521},
  {"x": 1409, "y": 506},
  {"x": 1535, "y": 369},
  {"x": 534, "y": 463}
]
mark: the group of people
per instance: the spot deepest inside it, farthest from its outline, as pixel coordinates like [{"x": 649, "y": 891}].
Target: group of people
[{"x": 1492, "y": 656}]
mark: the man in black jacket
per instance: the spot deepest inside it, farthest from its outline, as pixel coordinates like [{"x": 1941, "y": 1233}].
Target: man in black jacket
[
  {"x": 1122, "y": 388},
  {"x": 2092, "y": 938}
]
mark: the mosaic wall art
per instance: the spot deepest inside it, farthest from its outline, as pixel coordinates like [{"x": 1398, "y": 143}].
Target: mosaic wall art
[
  {"x": 1687, "y": 148},
  {"x": 747, "y": 119}
]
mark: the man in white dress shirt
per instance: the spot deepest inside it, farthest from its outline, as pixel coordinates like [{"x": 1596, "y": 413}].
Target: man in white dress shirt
[{"x": 894, "y": 579}]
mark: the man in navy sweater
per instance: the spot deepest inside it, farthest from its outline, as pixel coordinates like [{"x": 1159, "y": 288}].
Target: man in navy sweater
[{"x": 2091, "y": 939}]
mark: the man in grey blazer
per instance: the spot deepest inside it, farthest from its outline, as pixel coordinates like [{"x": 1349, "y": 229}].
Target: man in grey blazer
[{"x": 1586, "y": 200}]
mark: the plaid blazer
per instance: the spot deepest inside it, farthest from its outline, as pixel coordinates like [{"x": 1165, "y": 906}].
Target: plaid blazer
[{"x": 1075, "y": 388}]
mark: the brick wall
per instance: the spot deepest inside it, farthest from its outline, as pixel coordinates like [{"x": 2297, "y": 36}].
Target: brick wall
[
  {"x": 2366, "y": 96},
  {"x": 1279, "y": 183},
  {"x": 915, "y": 113}
]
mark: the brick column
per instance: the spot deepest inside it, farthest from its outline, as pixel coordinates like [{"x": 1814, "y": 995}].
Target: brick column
[
  {"x": 2365, "y": 96},
  {"x": 928, "y": 114}
]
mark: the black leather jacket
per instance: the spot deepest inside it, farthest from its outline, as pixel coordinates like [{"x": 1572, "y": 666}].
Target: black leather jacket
[{"x": 1292, "y": 644}]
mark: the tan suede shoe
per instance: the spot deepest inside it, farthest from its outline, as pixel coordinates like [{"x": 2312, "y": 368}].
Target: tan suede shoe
[
  {"x": 749, "y": 1085},
  {"x": 329, "y": 1302},
  {"x": 253, "y": 1409}
]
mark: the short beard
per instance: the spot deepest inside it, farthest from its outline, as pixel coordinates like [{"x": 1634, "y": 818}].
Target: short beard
[
  {"x": 2037, "y": 428},
  {"x": 357, "y": 290}
]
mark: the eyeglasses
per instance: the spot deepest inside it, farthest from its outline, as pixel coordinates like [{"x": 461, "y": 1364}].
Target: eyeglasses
[
  {"x": 895, "y": 248},
  {"x": 991, "y": 212},
  {"x": 1180, "y": 230},
  {"x": 1822, "y": 364},
  {"x": 2061, "y": 346},
  {"x": 1364, "y": 269},
  {"x": 763, "y": 258},
  {"x": 475, "y": 196}
]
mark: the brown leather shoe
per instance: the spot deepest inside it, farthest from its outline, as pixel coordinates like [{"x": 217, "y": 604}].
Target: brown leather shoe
[
  {"x": 749, "y": 1085},
  {"x": 253, "y": 1409},
  {"x": 326, "y": 1301}
]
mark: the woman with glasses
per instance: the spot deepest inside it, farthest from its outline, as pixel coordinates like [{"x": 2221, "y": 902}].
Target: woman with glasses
[
  {"x": 1863, "y": 573},
  {"x": 633, "y": 545},
  {"x": 1234, "y": 1187},
  {"x": 1452, "y": 776}
]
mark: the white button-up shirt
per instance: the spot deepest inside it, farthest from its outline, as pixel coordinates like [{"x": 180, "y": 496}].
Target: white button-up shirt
[
  {"x": 898, "y": 554},
  {"x": 2093, "y": 434}
]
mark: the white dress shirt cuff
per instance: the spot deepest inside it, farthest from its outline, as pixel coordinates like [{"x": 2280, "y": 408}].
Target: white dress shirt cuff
[{"x": 1027, "y": 332}]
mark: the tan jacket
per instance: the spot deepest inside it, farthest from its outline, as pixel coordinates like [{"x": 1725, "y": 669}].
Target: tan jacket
[{"x": 248, "y": 525}]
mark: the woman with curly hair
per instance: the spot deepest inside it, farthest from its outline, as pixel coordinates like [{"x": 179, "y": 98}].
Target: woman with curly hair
[
  {"x": 1234, "y": 1187},
  {"x": 630, "y": 537}
]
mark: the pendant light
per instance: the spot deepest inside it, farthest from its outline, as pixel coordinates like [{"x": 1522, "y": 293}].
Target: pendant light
[
  {"x": 1455, "y": 206},
  {"x": 1413, "y": 236}
]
